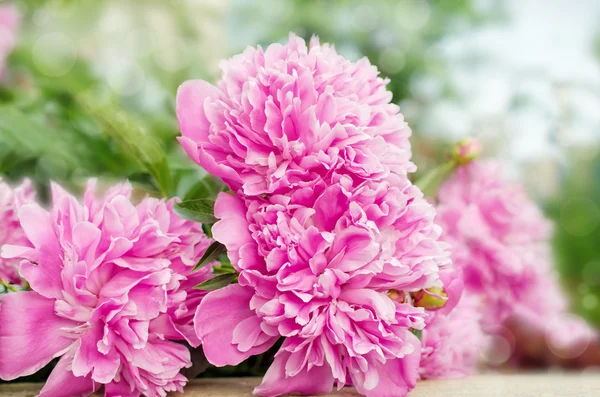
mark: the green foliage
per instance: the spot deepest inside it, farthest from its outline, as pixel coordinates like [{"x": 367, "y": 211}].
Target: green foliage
[
  {"x": 430, "y": 182},
  {"x": 142, "y": 146},
  {"x": 198, "y": 210},
  {"x": 220, "y": 281},
  {"x": 418, "y": 333},
  {"x": 576, "y": 212},
  {"x": 84, "y": 128},
  {"x": 212, "y": 253},
  {"x": 32, "y": 146},
  {"x": 46, "y": 134},
  {"x": 209, "y": 186},
  {"x": 27, "y": 138}
]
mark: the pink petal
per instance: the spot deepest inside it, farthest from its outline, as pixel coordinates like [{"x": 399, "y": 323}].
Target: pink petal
[
  {"x": 317, "y": 380},
  {"x": 229, "y": 206},
  {"x": 31, "y": 334},
  {"x": 89, "y": 361},
  {"x": 62, "y": 382},
  {"x": 44, "y": 277},
  {"x": 398, "y": 376},
  {"x": 377, "y": 301},
  {"x": 453, "y": 280},
  {"x": 195, "y": 127},
  {"x": 231, "y": 306},
  {"x": 37, "y": 224},
  {"x": 120, "y": 389},
  {"x": 232, "y": 228},
  {"x": 190, "y": 108},
  {"x": 16, "y": 251},
  {"x": 86, "y": 238}
]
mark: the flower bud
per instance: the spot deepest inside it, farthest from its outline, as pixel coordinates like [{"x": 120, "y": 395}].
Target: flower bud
[
  {"x": 397, "y": 296},
  {"x": 467, "y": 150},
  {"x": 430, "y": 299}
]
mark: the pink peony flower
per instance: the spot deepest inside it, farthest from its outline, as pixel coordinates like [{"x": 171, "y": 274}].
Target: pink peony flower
[
  {"x": 111, "y": 294},
  {"x": 289, "y": 116},
  {"x": 453, "y": 341},
  {"x": 500, "y": 239},
  {"x": 319, "y": 267},
  {"x": 10, "y": 21},
  {"x": 10, "y": 229}
]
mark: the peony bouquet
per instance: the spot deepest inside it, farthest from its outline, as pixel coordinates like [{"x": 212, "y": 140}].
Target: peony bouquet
[{"x": 308, "y": 243}]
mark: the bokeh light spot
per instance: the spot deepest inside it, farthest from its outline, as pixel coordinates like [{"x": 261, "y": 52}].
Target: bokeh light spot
[
  {"x": 567, "y": 337},
  {"x": 126, "y": 80},
  {"x": 412, "y": 14},
  {"x": 498, "y": 351},
  {"x": 580, "y": 216},
  {"x": 392, "y": 61},
  {"x": 591, "y": 273},
  {"x": 365, "y": 18},
  {"x": 54, "y": 54},
  {"x": 174, "y": 56},
  {"x": 590, "y": 301}
]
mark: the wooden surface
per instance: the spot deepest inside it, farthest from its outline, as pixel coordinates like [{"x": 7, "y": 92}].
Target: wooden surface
[{"x": 531, "y": 385}]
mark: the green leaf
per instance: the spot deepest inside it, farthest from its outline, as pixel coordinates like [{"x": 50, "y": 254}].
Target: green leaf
[
  {"x": 217, "y": 282},
  {"x": 207, "y": 229},
  {"x": 128, "y": 133},
  {"x": 23, "y": 136},
  {"x": 199, "y": 210},
  {"x": 430, "y": 182},
  {"x": 224, "y": 268},
  {"x": 418, "y": 333},
  {"x": 145, "y": 181},
  {"x": 211, "y": 254},
  {"x": 207, "y": 187}
]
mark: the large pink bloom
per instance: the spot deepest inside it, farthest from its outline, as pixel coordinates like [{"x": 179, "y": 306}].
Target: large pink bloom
[
  {"x": 500, "y": 239},
  {"x": 10, "y": 20},
  {"x": 111, "y": 293},
  {"x": 316, "y": 267},
  {"x": 290, "y": 115},
  {"x": 10, "y": 228}
]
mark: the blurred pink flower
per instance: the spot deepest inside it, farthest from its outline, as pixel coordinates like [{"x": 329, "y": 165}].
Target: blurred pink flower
[
  {"x": 10, "y": 21},
  {"x": 453, "y": 341},
  {"x": 291, "y": 115},
  {"x": 111, "y": 293},
  {"x": 316, "y": 267},
  {"x": 500, "y": 239},
  {"x": 10, "y": 228}
]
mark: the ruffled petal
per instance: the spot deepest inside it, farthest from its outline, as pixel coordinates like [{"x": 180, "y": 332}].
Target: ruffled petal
[
  {"x": 397, "y": 377},
  {"x": 44, "y": 275},
  {"x": 62, "y": 382},
  {"x": 317, "y": 380},
  {"x": 190, "y": 108},
  {"x": 31, "y": 334},
  {"x": 232, "y": 228},
  {"x": 231, "y": 306}
]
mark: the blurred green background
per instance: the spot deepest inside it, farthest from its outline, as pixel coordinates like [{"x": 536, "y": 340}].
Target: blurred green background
[{"x": 90, "y": 90}]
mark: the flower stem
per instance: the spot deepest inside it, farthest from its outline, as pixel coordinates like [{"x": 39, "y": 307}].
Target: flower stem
[
  {"x": 430, "y": 182},
  {"x": 462, "y": 153},
  {"x": 8, "y": 286}
]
